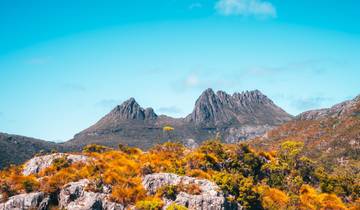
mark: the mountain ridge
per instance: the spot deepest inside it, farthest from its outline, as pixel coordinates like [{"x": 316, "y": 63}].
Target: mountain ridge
[
  {"x": 15, "y": 149},
  {"x": 235, "y": 117}
]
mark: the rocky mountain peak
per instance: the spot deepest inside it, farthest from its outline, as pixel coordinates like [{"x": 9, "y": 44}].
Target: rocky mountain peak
[
  {"x": 131, "y": 110},
  {"x": 254, "y": 96},
  {"x": 246, "y": 107},
  {"x": 208, "y": 109}
]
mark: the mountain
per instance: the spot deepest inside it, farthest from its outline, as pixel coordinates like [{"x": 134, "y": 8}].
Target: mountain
[
  {"x": 233, "y": 118},
  {"x": 331, "y": 135},
  {"x": 246, "y": 108},
  {"x": 16, "y": 149}
]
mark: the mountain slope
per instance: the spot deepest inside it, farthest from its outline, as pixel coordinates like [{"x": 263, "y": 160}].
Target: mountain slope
[
  {"x": 16, "y": 149},
  {"x": 331, "y": 136},
  {"x": 231, "y": 117}
]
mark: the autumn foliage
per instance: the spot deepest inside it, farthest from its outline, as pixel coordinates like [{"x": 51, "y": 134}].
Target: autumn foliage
[{"x": 284, "y": 179}]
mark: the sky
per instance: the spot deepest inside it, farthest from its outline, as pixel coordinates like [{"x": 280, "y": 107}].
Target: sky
[{"x": 65, "y": 64}]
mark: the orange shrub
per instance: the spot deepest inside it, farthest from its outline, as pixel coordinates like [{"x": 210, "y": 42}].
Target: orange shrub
[{"x": 272, "y": 198}]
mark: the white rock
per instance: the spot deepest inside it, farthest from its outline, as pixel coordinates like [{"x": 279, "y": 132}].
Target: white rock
[
  {"x": 36, "y": 164},
  {"x": 75, "y": 197},
  {"x": 23, "y": 201},
  {"x": 210, "y": 197}
]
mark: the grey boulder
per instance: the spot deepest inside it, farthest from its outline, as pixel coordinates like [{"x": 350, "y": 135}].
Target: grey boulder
[
  {"x": 36, "y": 164},
  {"x": 210, "y": 198},
  {"x": 74, "y": 196},
  {"x": 25, "y": 201}
]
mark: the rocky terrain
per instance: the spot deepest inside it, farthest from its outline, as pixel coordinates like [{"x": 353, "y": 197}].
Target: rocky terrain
[
  {"x": 331, "y": 135},
  {"x": 214, "y": 176},
  {"x": 80, "y": 195},
  {"x": 232, "y": 118}
]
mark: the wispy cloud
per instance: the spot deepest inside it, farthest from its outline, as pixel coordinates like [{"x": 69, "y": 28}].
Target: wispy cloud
[
  {"x": 192, "y": 81},
  {"x": 170, "y": 110},
  {"x": 255, "y": 8}
]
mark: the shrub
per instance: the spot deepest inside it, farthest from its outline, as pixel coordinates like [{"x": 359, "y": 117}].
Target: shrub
[
  {"x": 150, "y": 204},
  {"x": 168, "y": 128},
  {"x": 60, "y": 163},
  {"x": 289, "y": 151},
  {"x": 311, "y": 199},
  {"x": 95, "y": 148},
  {"x": 30, "y": 184},
  {"x": 168, "y": 191},
  {"x": 240, "y": 187},
  {"x": 175, "y": 206},
  {"x": 273, "y": 199},
  {"x": 127, "y": 195}
]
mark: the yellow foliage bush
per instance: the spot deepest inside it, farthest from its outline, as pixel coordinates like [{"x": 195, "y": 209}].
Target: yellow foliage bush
[
  {"x": 149, "y": 204},
  {"x": 253, "y": 179},
  {"x": 311, "y": 199},
  {"x": 175, "y": 206},
  {"x": 273, "y": 199},
  {"x": 168, "y": 128}
]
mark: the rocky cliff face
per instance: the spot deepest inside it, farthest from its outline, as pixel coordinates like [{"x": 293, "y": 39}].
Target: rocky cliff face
[
  {"x": 250, "y": 107},
  {"x": 233, "y": 118}
]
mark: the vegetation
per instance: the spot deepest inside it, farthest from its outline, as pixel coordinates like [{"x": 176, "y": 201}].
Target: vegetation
[
  {"x": 284, "y": 179},
  {"x": 168, "y": 128}
]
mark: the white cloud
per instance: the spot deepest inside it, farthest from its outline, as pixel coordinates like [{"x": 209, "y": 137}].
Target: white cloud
[
  {"x": 192, "y": 81},
  {"x": 256, "y": 8}
]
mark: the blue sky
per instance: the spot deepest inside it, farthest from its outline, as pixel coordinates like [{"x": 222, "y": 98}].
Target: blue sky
[{"x": 64, "y": 64}]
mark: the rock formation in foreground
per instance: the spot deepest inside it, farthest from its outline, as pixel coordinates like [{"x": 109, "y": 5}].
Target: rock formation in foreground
[{"x": 81, "y": 194}]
